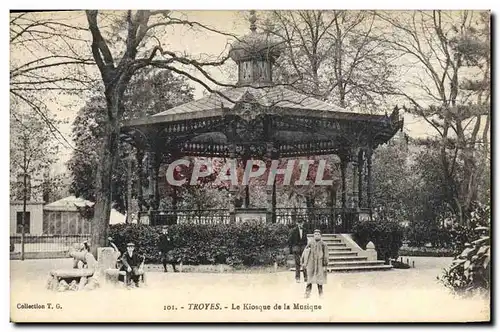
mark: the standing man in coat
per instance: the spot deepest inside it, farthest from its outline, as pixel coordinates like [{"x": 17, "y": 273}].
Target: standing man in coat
[
  {"x": 165, "y": 249},
  {"x": 297, "y": 241},
  {"x": 315, "y": 260}
]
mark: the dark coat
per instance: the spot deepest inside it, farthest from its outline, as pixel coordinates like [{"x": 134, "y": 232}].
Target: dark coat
[
  {"x": 295, "y": 242},
  {"x": 131, "y": 261},
  {"x": 166, "y": 244}
]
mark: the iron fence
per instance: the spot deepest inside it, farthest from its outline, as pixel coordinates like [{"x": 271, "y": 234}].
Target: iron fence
[
  {"x": 200, "y": 217},
  {"x": 328, "y": 220},
  {"x": 45, "y": 245},
  {"x": 337, "y": 220}
]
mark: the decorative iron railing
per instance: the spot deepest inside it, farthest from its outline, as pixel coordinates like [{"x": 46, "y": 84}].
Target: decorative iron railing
[
  {"x": 336, "y": 220},
  {"x": 44, "y": 245},
  {"x": 328, "y": 220},
  {"x": 201, "y": 217}
]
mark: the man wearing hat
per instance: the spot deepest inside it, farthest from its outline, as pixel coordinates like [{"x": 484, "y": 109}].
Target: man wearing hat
[
  {"x": 166, "y": 247},
  {"x": 132, "y": 265},
  {"x": 297, "y": 241},
  {"x": 315, "y": 261}
]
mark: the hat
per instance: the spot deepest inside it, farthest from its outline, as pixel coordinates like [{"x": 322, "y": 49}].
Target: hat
[
  {"x": 317, "y": 230},
  {"x": 130, "y": 244}
]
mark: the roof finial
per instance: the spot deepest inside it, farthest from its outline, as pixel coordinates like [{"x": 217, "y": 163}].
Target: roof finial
[{"x": 252, "y": 20}]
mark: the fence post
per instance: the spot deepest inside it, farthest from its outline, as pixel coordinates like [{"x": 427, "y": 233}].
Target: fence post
[
  {"x": 25, "y": 198},
  {"x": 22, "y": 241}
]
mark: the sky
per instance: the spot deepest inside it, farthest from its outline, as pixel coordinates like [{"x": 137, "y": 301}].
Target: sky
[{"x": 181, "y": 39}]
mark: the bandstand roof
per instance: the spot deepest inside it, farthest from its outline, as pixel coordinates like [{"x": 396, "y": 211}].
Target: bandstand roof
[
  {"x": 278, "y": 98},
  {"x": 256, "y": 112},
  {"x": 298, "y": 119}
]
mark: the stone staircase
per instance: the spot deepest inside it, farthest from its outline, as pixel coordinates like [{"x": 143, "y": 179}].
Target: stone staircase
[{"x": 346, "y": 256}]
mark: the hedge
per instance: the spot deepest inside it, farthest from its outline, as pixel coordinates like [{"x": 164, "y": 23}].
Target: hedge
[
  {"x": 249, "y": 243},
  {"x": 386, "y": 235},
  {"x": 425, "y": 251}
]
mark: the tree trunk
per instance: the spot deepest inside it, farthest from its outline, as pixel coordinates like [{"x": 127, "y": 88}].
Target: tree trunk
[
  {"x": 129, "y": 189},
  {"x": 107, "y": 163}
]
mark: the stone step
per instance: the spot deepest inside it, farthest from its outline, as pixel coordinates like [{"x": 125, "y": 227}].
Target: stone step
[
  {"x": 355, "y": 263},
  {"x": 342, "y": 253},
  {"x": 339, "y": 249},
  {"x": 335, "y": 244},
  {"x": 342, "y": 258},
  {"x": 346, "y": 258},
  {"x": 356, "y": 268},
  {"x": 328, "y": 241},
  {"x": 359, "y": 268}
]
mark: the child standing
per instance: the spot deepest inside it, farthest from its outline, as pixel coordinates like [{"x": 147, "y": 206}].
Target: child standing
[{"x": 314, "y": 260}]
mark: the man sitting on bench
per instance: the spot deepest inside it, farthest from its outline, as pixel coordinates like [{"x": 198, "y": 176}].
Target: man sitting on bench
[{"x": 133, "y": 265}]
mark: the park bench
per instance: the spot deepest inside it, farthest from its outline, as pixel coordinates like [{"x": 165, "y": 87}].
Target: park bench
[
  {"x": 75, "y": 278},
  {"x": 69, "y": 276},
  {"x": 87, "y": 271},
  {"x": 109, "y": 263}
]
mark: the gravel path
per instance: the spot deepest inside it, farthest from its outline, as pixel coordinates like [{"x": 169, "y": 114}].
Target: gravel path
[{"x": 411, "y": 295}]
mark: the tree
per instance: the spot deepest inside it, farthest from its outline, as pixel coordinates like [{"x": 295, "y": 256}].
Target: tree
[
  {"x": 32, "y": 151},
  {"x": 151, "y": 91},
  {"x": 452, "y": 51},
  {"x": 408, "y": 188},
  {"x": 54, "y": 187},
  {"x": 119, "y": 53},
  {"x": 394, "y": 184},
  {"x": 335, "y": 56},
  {"x": 49, "y": 62}
]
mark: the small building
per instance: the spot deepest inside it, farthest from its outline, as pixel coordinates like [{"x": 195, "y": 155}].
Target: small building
[
  {"x": 34, "y": 203},
  {"x": 63, "y": 217},
  {"x": 34, "y": 217}
]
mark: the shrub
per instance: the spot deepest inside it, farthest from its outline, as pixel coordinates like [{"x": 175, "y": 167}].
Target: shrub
[
  {"x": 145, "y": 238},
  {"x": 470, "y": 272},
  {"x": 420, "y": 232},
  {"x": 250, "y": 243},
  {"x": 385, "y": 234}
]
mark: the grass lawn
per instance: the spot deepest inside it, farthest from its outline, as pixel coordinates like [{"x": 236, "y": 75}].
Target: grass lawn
[{"x": 411, "y": 295}]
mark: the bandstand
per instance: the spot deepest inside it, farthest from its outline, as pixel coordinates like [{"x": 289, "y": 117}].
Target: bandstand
[{"x": 258, "y": 119}]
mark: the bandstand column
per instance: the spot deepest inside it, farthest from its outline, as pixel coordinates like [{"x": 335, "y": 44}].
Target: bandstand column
[
  {"x": 172, "y": 219},
  {"x": 247, "y": 186},
  {"x": 231, "y": 138},
  {"x": 369, "y": 154},
  {"x": 343, "y": 173},
  {"x": 156, "y": 171},
  {"x": 332, "y": 202},
  {"x": 354, "y": 167},
  {"x": 360, "y": 177},
  {"x": 273, "y": 202},
  {"x": 149, "y": 157},
  {"x": 232, "y": 188},
  {"x": 154, "y": 195},
  {"x": 270, "y": 189},
  {"x": 139, "y": 156},
  {"x": 333, "y": 197}
]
